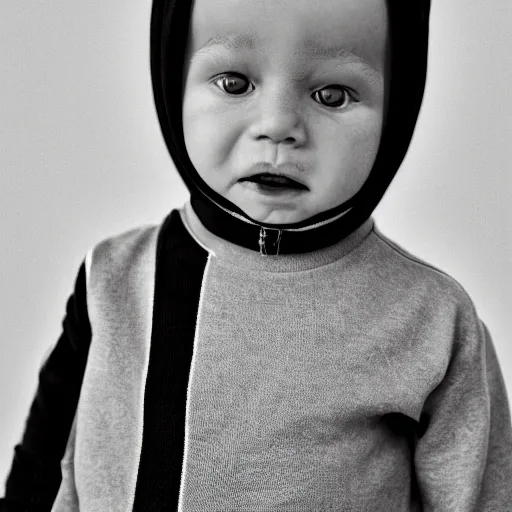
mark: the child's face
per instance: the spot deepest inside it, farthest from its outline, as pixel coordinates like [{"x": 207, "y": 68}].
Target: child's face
[{"x": 281, "y": 102}]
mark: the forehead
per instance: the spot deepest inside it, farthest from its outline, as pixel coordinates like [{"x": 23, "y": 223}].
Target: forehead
[{"x": 320, "y": 28}]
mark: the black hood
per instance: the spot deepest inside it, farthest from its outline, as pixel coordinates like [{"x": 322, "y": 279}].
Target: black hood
[{"x": 409, "y": 29}]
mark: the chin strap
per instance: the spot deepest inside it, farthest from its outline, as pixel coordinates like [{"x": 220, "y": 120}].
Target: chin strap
[{"x": 266, "y": 248}]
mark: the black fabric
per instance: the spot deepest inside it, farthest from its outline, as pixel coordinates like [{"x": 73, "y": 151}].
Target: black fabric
[
  {"x": 409, "y": 29},
  {"x": 227, "y": 227},
  {"x": 180, "y": 266},
  {"x": 35, "y": 475}
]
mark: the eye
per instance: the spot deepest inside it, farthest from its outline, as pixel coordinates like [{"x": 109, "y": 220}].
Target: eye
[
  {"x": 333, "y": 96},
  {"x": 230, "y": 83},
  {"x": 333, "y": 99}
]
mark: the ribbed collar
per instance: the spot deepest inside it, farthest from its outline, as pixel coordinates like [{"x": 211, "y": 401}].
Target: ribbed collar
[{"x": 247, "y": 259}]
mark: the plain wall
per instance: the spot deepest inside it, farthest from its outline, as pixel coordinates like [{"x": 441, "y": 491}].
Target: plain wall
[{"x": 82, "y": 158}]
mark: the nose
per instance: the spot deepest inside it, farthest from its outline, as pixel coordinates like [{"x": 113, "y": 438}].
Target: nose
[{"x": 279, "y": 118}]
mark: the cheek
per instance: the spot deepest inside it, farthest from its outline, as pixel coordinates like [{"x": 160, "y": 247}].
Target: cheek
[
  {"x": 198, "y": 126},
  {"x": 211, "y": 130},
  {"x": 353, "y": 142},
  {"x": 209, "y": 138},
  {"x": 352, "y": 151},
  {"x": 362, "y": 137}
]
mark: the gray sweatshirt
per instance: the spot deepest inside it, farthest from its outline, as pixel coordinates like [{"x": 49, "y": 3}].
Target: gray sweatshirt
[{"x": 352, "y": 378}]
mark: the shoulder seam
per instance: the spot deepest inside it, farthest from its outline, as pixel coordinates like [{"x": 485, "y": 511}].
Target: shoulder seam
[
  {"x": 422, "y": 263},
  {"x": 129, "y": 234}
]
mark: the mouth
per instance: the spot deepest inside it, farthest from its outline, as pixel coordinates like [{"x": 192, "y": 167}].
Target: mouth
[
  {"x": 272, "y": 192},
  {"x": 274, "y": 181}
]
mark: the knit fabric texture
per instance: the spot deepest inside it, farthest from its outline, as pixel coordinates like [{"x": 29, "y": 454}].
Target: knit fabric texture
[{"x": 354, "y": 378}]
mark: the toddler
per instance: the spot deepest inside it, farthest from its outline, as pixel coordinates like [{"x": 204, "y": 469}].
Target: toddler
[{"x": 266, "y": 348}]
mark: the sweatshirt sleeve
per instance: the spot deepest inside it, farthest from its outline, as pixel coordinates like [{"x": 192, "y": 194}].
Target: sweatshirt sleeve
[
  {"x": 35, "y": 475},
  {"x": 463, "y": 461}
]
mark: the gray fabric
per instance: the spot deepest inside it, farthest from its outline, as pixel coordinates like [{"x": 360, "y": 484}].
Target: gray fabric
[
  {"x": 294, "y": 366},
  {"x": 100, "y": 464},
  {"x": 297, "y": 358}
]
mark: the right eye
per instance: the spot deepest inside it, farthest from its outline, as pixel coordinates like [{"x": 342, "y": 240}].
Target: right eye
[{"x": 230, "y": 83}]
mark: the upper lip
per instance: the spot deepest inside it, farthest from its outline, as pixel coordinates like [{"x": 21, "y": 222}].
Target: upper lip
[{"x": 286, "y": 170}]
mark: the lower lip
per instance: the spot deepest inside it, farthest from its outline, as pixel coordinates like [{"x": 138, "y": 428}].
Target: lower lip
[{"x": 269, "y": 190}]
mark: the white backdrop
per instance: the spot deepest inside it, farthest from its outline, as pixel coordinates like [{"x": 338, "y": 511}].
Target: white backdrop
[{"x": 82, "y": 158}]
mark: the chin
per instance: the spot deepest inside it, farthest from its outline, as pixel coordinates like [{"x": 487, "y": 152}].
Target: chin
[
  {"x": 268, "y": 210},
  {"x": 276, "y": 217}
]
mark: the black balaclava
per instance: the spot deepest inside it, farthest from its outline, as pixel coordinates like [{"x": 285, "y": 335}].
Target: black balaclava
[{"x": 409, "y": 30}]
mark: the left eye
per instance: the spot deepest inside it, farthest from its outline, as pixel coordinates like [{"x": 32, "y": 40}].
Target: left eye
[
  {"x": 233, "y": 84},
  {"x": 340, "y": 94}
]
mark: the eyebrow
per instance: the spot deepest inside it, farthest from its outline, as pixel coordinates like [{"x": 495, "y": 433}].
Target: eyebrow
[{"x": 239, "y": 42}]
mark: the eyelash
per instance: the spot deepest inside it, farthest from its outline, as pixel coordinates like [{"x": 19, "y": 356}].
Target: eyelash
[{"x": 345, "y": 89}]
